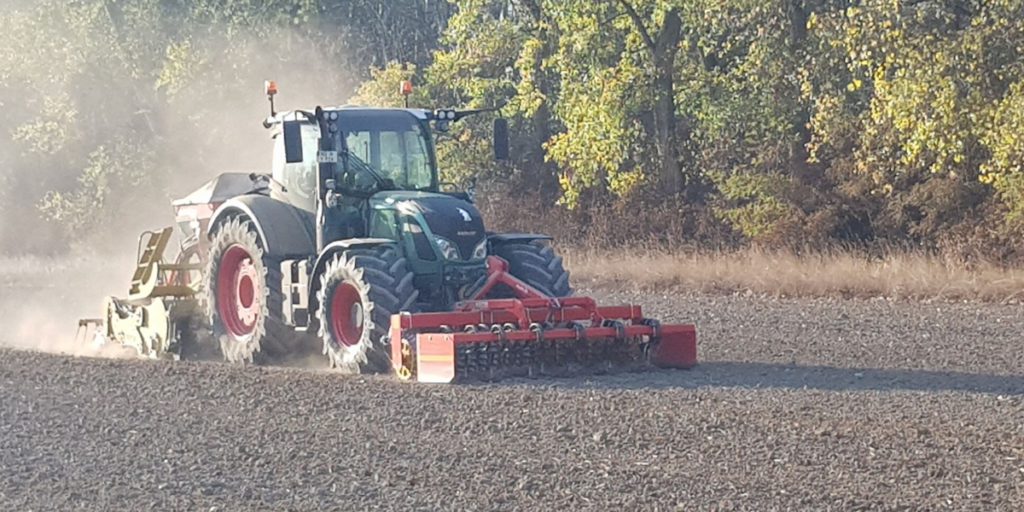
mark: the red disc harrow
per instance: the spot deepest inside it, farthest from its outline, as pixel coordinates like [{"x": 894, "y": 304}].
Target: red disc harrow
[{"x": 532, "y": 334}]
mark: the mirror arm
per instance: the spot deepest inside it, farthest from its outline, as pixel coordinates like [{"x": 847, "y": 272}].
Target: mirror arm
[{"x": 460, "y": 114}]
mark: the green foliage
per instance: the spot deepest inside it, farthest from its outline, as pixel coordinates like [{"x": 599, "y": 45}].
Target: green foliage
[
  {"x": 600, "y": 65},
  {"x": 599, "y": 135},
  {"x": 383, "y": 87},
  {"x": 1005, "y": 139},
  {"x": 95, "y": 92},
  {"x": 482, "y": 46},
  {"x": 50, "y": 130},
  {"x": 754, "y": 203},
  {"x": 112, "y": 174},
  {"x": 182, "y": 63},
  {"x": 878, "y": 120}
]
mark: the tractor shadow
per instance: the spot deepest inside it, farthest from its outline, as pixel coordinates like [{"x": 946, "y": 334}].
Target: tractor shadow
[{"x": 732, "y": 374}]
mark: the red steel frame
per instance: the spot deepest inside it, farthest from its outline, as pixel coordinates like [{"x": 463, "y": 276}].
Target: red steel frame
[{"x": 675, "y": 347}]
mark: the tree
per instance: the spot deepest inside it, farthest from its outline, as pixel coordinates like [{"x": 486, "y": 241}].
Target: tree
[
  {"x": 122, "y": 104},
  {"x": 663, "y": 47}
]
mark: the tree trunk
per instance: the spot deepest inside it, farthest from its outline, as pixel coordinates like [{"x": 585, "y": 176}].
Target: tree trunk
[
  {"x": 797, "y": 15},
  {"x": 665, "y": 129},
  {"x": 664, "y": 53}
]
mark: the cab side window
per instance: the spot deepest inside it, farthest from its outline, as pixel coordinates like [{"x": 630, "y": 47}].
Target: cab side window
[
  {"x": 391, "y": 155},
  {"x": 298, "y": 178}
]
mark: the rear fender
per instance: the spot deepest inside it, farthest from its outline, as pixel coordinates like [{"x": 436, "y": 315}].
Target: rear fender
[{"x": 284, "y": 231}]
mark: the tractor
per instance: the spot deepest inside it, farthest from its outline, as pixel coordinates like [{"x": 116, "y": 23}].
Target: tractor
[{"x": 353, "y": 239}]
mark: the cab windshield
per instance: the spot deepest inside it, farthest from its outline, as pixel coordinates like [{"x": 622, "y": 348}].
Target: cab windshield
[{"x": 393, "y": 143}]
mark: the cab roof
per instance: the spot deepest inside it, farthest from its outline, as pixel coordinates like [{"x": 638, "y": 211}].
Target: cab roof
[{"x": 293, "y": 115}]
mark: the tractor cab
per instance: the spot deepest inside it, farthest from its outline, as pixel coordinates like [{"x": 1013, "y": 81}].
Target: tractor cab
[
  {"x": 341, "y": 153},
  {"x": 385, "y": 149}
]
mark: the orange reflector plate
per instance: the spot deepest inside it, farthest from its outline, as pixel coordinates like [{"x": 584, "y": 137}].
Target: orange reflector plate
[{"x": 435, "y": 358}]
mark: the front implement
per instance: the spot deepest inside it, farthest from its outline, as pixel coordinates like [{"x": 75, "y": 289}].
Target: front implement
[{"x": 533, "y": 335}]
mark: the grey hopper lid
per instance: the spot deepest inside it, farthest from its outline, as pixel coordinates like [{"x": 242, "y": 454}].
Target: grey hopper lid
[{"x": 219, "y": 189}]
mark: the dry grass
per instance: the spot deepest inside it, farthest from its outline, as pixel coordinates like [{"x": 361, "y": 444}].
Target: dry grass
[{"x": 826, "y": 274}]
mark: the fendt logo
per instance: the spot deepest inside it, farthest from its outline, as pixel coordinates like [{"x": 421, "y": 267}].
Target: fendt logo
[{"x": 465, "y": 215}]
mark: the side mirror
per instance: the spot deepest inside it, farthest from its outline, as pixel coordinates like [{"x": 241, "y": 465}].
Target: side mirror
[
  {"x": 292, "y": 133},
  {"x": 501, "y": 144}
]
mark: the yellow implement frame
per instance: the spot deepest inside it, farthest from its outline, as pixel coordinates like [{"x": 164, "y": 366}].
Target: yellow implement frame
[{"x": 159, "y": 304}]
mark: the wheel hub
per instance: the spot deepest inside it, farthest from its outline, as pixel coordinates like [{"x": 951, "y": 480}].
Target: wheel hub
[
  {"x": 347, "y": 315},
  {"x": 245, "y": 291},
  {"x": 238, "y": 291}
]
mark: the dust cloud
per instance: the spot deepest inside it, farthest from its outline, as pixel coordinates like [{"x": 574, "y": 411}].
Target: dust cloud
[
  {"x": 44, "y": 297},
  {"x": 44, "y": 331},
  {"x": 198, "y": 134}
]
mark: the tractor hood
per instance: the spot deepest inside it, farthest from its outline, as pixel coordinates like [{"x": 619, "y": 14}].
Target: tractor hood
[{"x": 446, "y": 216}]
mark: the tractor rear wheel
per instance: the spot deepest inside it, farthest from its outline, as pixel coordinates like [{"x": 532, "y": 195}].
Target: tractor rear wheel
[
  {"x": 243, "y": 296},
  {"x": 536, "y": 264},
  {"x": 359, "y": 291}
]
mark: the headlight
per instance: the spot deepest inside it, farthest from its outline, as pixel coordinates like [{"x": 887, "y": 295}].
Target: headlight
[
  {"x": 480, "y": 251},
  {"x": 448, "y": 249}
]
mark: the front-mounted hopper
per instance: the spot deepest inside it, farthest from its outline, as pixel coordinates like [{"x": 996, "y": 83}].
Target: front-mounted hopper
[{"x": 531, "y": 335}]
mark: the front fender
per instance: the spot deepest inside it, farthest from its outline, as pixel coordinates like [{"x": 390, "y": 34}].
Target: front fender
[
  {"x": 343, "y": 245},
  {"x": 522, "y": 238}
]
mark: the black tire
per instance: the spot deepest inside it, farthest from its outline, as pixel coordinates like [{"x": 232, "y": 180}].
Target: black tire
[
  {"x": 380, "y": 280},
  {"x": 269, "y": 337},
  {"x": 193, "y": 337},
  {"x": 536, "y": 264}
]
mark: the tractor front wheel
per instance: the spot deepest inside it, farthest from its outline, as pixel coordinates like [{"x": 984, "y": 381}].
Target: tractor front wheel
[{"x": 359, "y": 291}]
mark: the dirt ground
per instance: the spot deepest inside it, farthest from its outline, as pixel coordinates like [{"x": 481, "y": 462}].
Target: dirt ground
[{"x": 798, "y": 405}]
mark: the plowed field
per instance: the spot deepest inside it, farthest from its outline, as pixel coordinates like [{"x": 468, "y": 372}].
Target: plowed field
[{"x": 798, "y": 405}]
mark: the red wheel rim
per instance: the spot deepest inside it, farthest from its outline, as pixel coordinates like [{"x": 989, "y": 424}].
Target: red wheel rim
[
  {"x": 347, "y": 315},
  {"x": 238, "y": 292}
]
